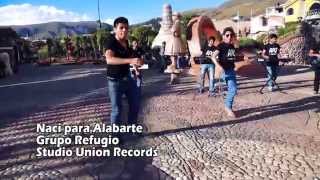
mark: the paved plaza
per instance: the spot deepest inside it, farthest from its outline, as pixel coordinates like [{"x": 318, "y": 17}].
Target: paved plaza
[{"x": 275, "y": 136}]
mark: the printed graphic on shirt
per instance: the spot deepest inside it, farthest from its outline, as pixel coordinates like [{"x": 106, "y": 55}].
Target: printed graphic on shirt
[
  {"x": 231, "y": 54},
  {"x": 273, "y": 51},
  {"x": 209, "y": 53}
]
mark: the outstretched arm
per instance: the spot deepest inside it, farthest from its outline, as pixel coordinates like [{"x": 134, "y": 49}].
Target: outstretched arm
[
  {"x": 112, "y": 60},
  {"x": 313, "y": 53}
]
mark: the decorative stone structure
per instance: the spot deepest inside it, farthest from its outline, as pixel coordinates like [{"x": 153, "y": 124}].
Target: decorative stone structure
[
  {"x": 165, "y": 29},
  {"x": 198, "y": 31},
  {"x": 5, "y": 60},
  {"x": 10, "y": 49},
  {"x": 175, "y": 46}
]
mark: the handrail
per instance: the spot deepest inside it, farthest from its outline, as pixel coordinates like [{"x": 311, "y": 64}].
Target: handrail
[{"x": 313, "y": 12}]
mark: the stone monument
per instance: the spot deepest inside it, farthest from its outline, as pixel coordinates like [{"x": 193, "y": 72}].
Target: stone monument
[{"x": 165, "y": 29}]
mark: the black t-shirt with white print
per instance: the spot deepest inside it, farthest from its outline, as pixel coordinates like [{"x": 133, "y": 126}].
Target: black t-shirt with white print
[
  {"x": 227, "y": 55},
  {"x": 272, "y": 50},
  {"x": 122, "y": 70},
  {"x": 207, "y": 54}
]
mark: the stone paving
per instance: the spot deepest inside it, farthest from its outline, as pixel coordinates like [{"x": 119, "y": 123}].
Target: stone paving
[{"x": 276, "y": 134}]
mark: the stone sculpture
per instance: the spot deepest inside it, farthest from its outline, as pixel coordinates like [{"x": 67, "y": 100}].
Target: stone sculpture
[
  {"x": 175, "y": 46},
  {"x": 5, "y": 59},
  {"x": 165, "y": 29}
]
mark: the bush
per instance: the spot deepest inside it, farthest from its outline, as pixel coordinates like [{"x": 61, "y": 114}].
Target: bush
[
  {"x": 262, "y": 38},
  {"x": 289, "y": 28},
  {"x": 43, "y": 53},
  {"x": 249, "y": 43}
]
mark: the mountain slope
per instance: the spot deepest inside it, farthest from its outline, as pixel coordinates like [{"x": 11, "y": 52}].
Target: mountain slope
[
  {"x": 230, "y": 8},
  {"x": 56, "y": 29},
  {"x": 226, "y": 10}
]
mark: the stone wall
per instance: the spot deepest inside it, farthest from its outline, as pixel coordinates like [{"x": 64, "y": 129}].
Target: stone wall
[
  {"x": 298, "y": 45},
  {"x": 296, "y": 48}
]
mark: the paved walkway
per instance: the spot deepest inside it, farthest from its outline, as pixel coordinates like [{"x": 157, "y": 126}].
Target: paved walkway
[{"x": 276, "y": 136}]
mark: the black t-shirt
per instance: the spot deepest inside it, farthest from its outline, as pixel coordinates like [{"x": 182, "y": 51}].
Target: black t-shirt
[
  {"x": 272, "y": 50},
  {"x": 315, "y": 48},
  {"x": 137, "y": 53},
  {"x": 227, "y": 56},
  {"x": 118, "y": 71},
  {"x": 207, "y": 54}
]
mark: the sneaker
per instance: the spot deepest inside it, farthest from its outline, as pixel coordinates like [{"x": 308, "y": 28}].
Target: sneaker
[
  {"x": 270, "y": 88},
  {"x": 200, "y": 91},
  {"x": 229, "y": 112},
  {"x": 275, "y": 87},
  {"x": 211, "y": 93}
]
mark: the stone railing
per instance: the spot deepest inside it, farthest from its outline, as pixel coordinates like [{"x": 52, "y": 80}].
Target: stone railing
[{"x": 313, "y": 14}]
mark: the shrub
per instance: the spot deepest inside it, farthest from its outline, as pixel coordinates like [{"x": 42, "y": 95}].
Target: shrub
[
  {"x": 249, "y": 43},
  {"x": 43, "y": 53},
  {"x": 288, "y": 29},
  {"x": 262, "y": 38}
]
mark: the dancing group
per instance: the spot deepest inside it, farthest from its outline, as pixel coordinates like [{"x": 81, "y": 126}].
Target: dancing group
[{"x": 119, "y": 57}]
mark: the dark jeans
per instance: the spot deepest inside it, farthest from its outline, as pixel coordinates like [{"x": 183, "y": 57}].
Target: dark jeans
[
  {"x": 316, "y": 79},
  {"x": 117, "y": 88}
]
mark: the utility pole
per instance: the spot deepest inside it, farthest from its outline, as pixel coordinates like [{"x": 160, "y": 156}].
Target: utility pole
[
  {"x": 238, "y": 24},
  {"x": 99, "y": 14}
]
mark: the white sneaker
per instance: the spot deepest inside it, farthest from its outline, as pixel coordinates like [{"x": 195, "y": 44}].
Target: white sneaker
[
  {"x": 270, "y": 88},
  {"x": 229, "y": 112}
]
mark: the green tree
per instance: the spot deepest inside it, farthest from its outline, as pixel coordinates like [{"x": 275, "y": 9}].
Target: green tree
[
  {"x": 144, "y": 34},
  {"x": 94, "y": 45},
  {"x": 76, "y": 40},
  {"x": 102, "y": 35},
  {"x": 50, "y": 48}
]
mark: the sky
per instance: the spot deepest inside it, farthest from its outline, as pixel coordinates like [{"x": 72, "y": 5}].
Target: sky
[{"x": 21, "y": 12}]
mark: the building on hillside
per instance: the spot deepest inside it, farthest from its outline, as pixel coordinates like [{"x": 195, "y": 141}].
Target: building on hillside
[
  {"x": 273, "y": 19},
  {"x": 296, "y": 10},
  {"x": 242, "y": 26}
]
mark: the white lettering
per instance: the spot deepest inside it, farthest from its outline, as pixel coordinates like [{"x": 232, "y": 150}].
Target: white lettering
[
  {"x": 76, "y": 129},
  {"x": 54, "y": 152},
  {"x": 58, "y": 141},
  {"x": 92, "y": 152},
  {"x": 104, "y": 141},
  {"x": 115, "y": 128},
  {"x": 117, "y": 151},
  {"x": 48, "y": 129}
]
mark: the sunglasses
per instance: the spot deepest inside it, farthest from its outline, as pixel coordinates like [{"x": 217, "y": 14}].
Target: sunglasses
[{"x": 229, "y": 35}]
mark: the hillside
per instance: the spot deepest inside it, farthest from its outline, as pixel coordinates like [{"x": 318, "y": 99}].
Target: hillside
[
  {"x": 225, "y": 11},
  {"x": 56, "y": 29},
  {"x": 230, "y": 8}
]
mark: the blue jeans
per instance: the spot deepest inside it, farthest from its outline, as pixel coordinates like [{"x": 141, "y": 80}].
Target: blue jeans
[
  {"x": 230, "y": 78},
  {"x": 272, "y": 74},
  {"x": 210, "y": 69},
  {"x": 128, "y": 87}
]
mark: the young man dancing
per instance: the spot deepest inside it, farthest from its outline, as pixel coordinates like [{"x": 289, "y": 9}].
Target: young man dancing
[
  {"x": 314, "y": 54},
  {"x": 118, "y": 58},
  {"x": 208, "y": 66},
  {"x": 226, "y": 54},
  {"x": 270, "y": 53}
]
